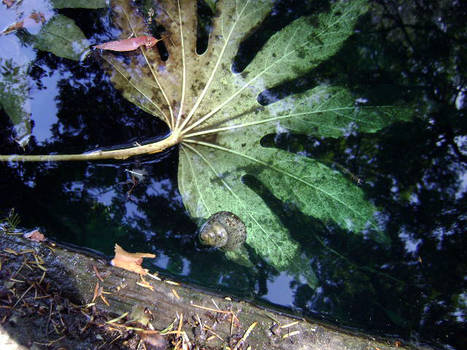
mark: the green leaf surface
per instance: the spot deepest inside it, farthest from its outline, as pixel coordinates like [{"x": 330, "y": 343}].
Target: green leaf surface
[
  {"x": 85, "y": 4},
  {"x": 220, "y": 122},
  {"x": 62, "y": 37},
  {"x": 303, "y": 44},
  {"x": 332, "y": 111}
]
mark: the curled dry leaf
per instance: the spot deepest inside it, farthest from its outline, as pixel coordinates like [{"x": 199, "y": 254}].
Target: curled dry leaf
[
  {"x": 130, "y": 261},
  {"x": 128, "y": 44},
  {"x": 9, "y": 3},
  {"x": 35, "y": 236},
  {"x": 34, "y": 19}
]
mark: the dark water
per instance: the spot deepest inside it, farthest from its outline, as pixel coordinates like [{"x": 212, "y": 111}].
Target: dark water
[{"x": 415, "y": 172}]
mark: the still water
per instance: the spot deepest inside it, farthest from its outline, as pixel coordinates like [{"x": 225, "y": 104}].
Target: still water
[{"x": 415, "y": 172}]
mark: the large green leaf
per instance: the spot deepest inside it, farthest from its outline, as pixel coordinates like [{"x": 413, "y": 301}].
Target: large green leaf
[{"x": 220, "y": 122}]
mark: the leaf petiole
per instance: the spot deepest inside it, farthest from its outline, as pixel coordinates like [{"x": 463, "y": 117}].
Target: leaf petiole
[{"x": 123, "y": 153}]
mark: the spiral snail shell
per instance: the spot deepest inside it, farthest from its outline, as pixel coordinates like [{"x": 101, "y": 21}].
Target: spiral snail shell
[{"x": 223, "y": 230}]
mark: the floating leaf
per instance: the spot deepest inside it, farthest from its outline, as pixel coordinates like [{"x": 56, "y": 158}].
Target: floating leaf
[
  {"x": 49, "y": 31},
  {"x": 14, "y": 97},
  {"x": 128, "y": 44},
  {"x": 62, "y": 37},
  {"x": 221, "y": 122}
]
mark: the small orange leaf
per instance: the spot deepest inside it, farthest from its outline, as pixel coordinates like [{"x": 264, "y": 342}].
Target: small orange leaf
[
  {"x": 130, "y": 261},
  {"x": 35, "y": 236},
  {"x": 13, "y": 27}
]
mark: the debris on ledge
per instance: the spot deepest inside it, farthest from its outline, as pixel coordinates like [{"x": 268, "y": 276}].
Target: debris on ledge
[{"x": 52, "y": 296}]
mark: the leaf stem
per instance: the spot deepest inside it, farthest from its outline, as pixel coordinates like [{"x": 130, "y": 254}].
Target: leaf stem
[
  {"x": 180, "y": 112},
  {"x": 123, "y": 153}
]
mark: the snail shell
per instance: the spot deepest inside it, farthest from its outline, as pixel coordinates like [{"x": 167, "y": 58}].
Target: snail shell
[{"x": 223, "y": 230}]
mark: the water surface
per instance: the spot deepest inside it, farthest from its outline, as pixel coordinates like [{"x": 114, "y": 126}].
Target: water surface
[{"x": 414, "y": 172}]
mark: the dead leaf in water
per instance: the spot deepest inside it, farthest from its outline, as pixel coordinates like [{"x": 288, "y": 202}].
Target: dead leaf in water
[
  {"x": 130, "y": 261},
  {"x": 35, "y": 236},
  {"x": 34, "y": 19},
  {"x": 9, "y": 3},
  {"x": 128, "y": 44}
]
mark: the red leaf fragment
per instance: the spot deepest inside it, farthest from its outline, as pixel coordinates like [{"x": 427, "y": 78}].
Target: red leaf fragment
[
  {"x": 35, "y": 236},
  {"x": 128, "y": 44}
]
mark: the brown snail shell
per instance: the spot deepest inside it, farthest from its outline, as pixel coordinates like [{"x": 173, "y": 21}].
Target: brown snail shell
[{"x": 223, "y": 230}]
